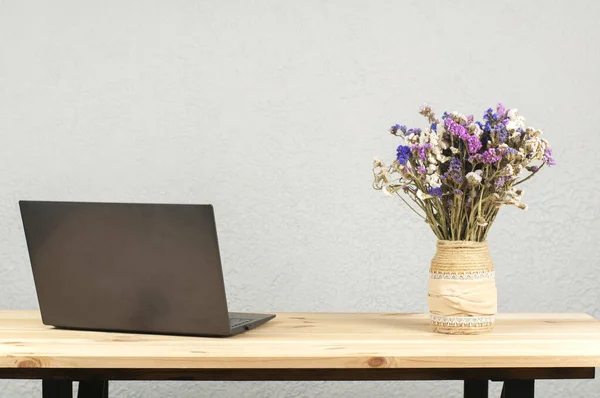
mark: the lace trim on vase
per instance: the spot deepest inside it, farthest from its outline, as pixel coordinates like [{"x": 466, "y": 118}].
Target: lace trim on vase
[
  {"x": 483, "y": 320},
  {"x": 463, "y": 275}
]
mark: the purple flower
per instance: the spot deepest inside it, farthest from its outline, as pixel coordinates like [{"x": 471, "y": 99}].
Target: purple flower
[
  {"x": 434, "y": 127},
  {"x": 422, "y": 170},
  {"x": 455, "y": 128},
  {"x": 394, "y": 129},
  {"x": 499, "y": 183},
  {"x": 458, "y": 192},
  {"x": 416, "y": 131},
  {"x": 548, "y": 157},
  {"x": 421, "y": 150},
  {"x": 473, "y": 142},
  {"x": 490, "y": 116},
  {"x": 455, "y": 164},
  {"x": 403, "y": 153},
  {"x": 502, "y": 111},
  {"x": 502, "y": 134},
  {"x": 435, "y": 192},
  {"x": 488, "y": 156},
  {"x": 454, "y": 172}
]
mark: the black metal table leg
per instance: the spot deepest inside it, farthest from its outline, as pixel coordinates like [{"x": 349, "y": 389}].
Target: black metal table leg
[
  {"x": 518, "y": 389},
  {"x": 476, "y": 389},
  {"x": 93, "y": 389},
  {"x": 57, "y": 389}
]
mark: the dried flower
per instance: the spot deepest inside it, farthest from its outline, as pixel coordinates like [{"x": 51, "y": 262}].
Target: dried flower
[
  {"x": 477, "y": 163},
  {"x": 474, "y": 177},
  {"x": 435, "y": 192},
  {"x": 403, "y": 153},
  {"x": 396, "y": 127}
]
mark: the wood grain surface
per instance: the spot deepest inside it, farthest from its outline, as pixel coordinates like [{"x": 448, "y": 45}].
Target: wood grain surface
[{"x": 310, "y": 341}]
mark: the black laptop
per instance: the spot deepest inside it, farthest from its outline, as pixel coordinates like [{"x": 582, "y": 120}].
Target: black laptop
[{"x": 130, "y": 267}]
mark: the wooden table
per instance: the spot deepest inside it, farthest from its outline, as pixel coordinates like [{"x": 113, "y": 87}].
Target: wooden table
[{"x": 307, "y": 346}]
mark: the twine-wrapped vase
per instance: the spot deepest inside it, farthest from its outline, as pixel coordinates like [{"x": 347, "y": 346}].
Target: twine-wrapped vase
[{"x": 462, "y": 294}]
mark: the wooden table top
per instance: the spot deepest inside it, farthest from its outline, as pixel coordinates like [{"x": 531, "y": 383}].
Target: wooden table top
[{"x": 309, "y": 341}]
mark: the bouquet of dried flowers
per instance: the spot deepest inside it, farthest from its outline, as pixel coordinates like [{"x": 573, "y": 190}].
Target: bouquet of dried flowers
[{"x": 459, "y": 171}]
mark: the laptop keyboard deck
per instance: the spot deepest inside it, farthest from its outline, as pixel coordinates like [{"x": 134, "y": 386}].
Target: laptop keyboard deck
[{"x": 235, "y": 322}]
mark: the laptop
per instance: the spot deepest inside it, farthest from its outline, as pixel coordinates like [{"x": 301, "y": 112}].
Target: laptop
[{"x": 130, "y": 267}]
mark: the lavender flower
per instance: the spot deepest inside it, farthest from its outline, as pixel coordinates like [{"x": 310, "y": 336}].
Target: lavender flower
[
  {"x": 454, "y": 172},
  {"x": 490, "y": 116},
  {"x": 502, "y": 133},
  {"x": 437, "y": 192},
  {"x": 421, "y": 151},
  {"x": 473, "y": 142},
  {"x": 501, "y": 181},
  {"x": 548, "y": 157},
  {"x": 403, "y": 153},
  {"x": 488, "y": 156},
  {"x": 397, "y": 127},
  {"x": 455, "y": 128},
  {"x": 502, "y": 111}
]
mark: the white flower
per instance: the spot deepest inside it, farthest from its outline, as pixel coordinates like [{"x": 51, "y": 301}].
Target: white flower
[
  {"x": 432, "y": 168},
  {"x": 433, "y": 180},
  {"x": 424, "y": 138},
  {"x": 441, "y": 129},
  {"x": 532, "y": 145},
  {"x": 433, "y": 139},
  {"x": 387, "y": 190},
  {"x": 516, "y": 121},
  {"x": 474, "y": 177},
  {"x": 513, "y": 125},
  {"x": 508, "y": 170},
  {"x": 476, "y": 130},
  {"x": 412, "y": 139},
  {"x": 518, "y": 169}
]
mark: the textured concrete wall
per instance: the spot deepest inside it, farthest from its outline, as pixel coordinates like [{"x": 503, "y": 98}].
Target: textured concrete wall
[{"x": 273, "y": 112}]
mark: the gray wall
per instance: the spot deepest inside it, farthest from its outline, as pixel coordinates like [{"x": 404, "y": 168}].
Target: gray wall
[{"x": 273, "y": 111}]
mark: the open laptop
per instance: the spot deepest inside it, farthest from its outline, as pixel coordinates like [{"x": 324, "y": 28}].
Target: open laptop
[{"x": 130, "y": 267}]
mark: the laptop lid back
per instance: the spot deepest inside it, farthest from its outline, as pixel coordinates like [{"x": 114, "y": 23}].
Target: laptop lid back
[{"x": 127, "y": 267}]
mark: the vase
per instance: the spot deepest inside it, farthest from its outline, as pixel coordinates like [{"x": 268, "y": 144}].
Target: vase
[{"x": 462, "y": 295}]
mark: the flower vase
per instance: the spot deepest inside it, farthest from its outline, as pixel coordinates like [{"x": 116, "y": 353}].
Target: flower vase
[{"x": 462, "y": 295}]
